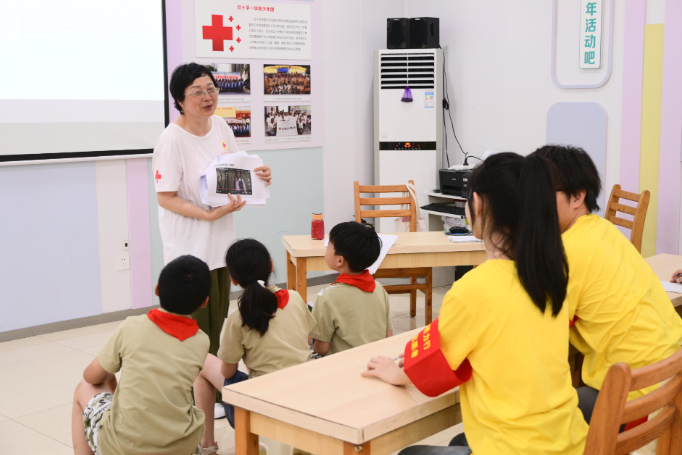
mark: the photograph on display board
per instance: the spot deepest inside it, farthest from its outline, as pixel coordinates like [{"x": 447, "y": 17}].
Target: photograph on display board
[
  {"x": 286, "y": 79},
  {"x": 288, "y": 123},
  {"x": 233, "y": 181},
  {"x": 239, "y": 119},
  {"x": 233, "y": 78}
]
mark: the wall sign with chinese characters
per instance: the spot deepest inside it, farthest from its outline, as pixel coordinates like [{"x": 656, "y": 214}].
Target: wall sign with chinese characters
[
  {"x": 590, "y": 33},
  {"x": 246, "y": 29}
]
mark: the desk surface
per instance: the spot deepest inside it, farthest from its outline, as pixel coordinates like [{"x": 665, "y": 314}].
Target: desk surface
[
  {"x": 407, "y": 243},
  {"x": 663, "y": 266},
  {"x": 328, "y": 396}
]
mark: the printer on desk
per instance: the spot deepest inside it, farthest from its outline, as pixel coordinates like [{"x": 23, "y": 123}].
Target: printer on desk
[{"x": 454, "y": 182}]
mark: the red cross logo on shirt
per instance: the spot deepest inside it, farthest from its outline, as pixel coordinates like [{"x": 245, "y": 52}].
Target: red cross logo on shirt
[
  {"x": 157, "y": 176},
  {"x": 217, "y": 33}
]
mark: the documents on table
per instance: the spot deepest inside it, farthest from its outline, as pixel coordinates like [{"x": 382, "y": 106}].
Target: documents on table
[
  {"x": 387, "y": 242},
  {"x": 463, "y": 238},
  {"x": 672, "y": 287},
  {"x": 233, "y": 174}
]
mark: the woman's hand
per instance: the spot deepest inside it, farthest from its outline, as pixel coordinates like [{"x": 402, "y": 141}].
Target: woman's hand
[
  {"x": 171, "y": 201},
  {"x": 677, "y": 276},
  {"x": 264, "y": 173},
  {"x": 235, "y": 205},
  {"x": 386, "y": 369}
]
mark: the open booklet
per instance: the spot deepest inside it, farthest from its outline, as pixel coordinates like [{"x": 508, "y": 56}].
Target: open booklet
[{"x": 233, "y": 174}]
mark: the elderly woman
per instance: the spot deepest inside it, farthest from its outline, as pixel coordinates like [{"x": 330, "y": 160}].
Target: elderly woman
[{"x": 182, "y": 153}]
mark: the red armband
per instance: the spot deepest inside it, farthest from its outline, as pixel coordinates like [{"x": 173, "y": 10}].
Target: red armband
[
  {"x": 427, "y": 367},
  {"x": 572, "y": 323}
]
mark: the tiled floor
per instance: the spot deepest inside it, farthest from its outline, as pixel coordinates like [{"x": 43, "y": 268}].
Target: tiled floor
[{"x": 38, "y": 376}]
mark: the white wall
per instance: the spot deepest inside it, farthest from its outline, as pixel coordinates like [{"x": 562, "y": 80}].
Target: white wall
[
  {"x": 498, "y": 55},
  {"x": 353, "y": 29}
]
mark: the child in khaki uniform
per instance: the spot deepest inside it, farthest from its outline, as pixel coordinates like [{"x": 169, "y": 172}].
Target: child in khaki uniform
[
  {"x": 269, "y": 332},
  {"x": 159, "y": 355},
  {"x": 354, "y": 310}
]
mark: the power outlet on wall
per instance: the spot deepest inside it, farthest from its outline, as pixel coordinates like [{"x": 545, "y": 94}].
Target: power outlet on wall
[{"x": 123, "y": 262}]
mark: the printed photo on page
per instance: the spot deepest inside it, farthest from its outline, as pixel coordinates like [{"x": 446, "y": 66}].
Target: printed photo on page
[
  {"x": 288, "y": 123},
  {"x": 286, "y": 82},
  {"x": 239, "y": 119}
]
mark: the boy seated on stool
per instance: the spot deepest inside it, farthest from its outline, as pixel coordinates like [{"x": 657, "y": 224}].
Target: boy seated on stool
[
  {"x": 354, "y": 310},
  {"x": 159, "y": 355}
]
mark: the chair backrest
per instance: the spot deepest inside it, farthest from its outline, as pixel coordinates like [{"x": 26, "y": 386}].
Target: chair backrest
[
  {"x": 612, "y": 409},
  {"x": 636, "y": 226},
  {"x": 411, "y": 211}
]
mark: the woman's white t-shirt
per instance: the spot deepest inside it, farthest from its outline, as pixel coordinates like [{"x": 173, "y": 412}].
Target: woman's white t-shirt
[{"x": 180, "y": 158}]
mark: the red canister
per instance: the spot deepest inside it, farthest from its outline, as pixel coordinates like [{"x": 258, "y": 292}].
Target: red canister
[{"x": 317, "y": 227}]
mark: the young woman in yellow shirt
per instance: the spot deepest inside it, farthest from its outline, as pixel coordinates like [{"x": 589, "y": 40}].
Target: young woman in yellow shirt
[{"x": 503, "y": 327}]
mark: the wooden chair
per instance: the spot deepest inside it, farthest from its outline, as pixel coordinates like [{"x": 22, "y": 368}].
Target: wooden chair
[
  {"x": 636, "y": 226},
  {"x": 412, "y": 274},
  {"x": 612, "y": 409}
]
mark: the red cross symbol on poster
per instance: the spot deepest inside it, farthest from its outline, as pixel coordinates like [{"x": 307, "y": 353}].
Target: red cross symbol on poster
[{"x": 218, "y": 33}]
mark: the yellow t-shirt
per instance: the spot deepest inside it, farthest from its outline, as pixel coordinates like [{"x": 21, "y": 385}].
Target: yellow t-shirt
[
  {"x": 624, "y": 315},
  {"x": 284, "y": 345},
  {"x": 152, "y": 410},
  {"x": 519, "y": 399},
  {"x": 349, "y": 317}
]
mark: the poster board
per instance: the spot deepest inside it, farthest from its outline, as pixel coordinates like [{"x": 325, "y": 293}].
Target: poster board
[{"x": 182, "y": 16}]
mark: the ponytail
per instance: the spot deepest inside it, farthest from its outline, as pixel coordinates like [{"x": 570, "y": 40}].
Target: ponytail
[
  {"x": 249, "y": 262},
  {"x": 540, "y": 257},
  {"x": 519, "y": 211}
]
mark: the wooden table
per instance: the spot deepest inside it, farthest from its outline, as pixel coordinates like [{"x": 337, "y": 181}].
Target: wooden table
[
  {"x": 663, "y": 266},
  {"x": 411, "y": 250},
  {"x": 325, "y": 407}
]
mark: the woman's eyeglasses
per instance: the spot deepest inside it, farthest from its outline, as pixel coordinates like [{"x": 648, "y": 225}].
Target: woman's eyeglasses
[{"x": 210, "y": 92}]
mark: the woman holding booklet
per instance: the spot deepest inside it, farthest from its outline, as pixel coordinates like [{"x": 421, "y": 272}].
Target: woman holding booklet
[{"x": 181, "y": 154}]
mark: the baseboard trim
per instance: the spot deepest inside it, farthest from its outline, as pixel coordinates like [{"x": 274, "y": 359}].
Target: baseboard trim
[{"x": 116, "y": 316}]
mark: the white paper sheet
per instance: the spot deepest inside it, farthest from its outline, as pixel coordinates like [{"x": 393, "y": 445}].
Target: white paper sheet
[
  {"x": 463, "y": 238},
  {"x": 672, "y": 287},
  {"x": 387, "y": 242},
  {"x": 256, "y": 191}
]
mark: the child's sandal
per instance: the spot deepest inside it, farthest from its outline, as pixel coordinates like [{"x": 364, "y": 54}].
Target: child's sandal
[{"x": 207, "y": 450}]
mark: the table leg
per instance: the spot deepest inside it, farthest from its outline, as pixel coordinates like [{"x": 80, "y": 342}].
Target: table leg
[
  {"x": 245, "y": 442},
  {"x": 428, "y": 298},
  {"x": 353, "y": 449},
  {"x": 413, "y": 297},
  {"x": 302, "y": 278},
  {"x": 291, "y": 273}
]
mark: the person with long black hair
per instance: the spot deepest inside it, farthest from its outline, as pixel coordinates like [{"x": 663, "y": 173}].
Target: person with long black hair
[
  {"x": 269, "y": 332},
  {"x": 503, "y": 332}
]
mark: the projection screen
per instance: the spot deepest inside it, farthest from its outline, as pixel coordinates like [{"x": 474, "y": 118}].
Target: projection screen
[{"x": 81, "y": 78}]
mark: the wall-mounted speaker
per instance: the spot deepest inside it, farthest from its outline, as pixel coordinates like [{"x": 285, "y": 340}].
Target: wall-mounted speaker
[
  {"x": 398, "y": 33},
  {"x": 424, "y": 33}
]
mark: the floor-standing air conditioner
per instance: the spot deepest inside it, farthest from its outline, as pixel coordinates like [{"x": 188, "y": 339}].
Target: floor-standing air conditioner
[{"x": 407, "y": 134}]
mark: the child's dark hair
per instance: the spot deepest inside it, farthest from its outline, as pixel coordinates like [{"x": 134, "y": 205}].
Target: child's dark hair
[
  {"x": 248, "y": 261},
  {"x": 184, "y": 284},
  {"x": 519, "y": 207},
  {"x": 576, "y": 172},
  {"x": 358, "y": 244}
]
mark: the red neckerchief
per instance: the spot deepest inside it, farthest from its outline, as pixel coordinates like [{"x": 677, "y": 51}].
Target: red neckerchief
[
  {"x": 180, "y": 327},
  {"x": 282, "y": 298},
  {"x": 364, "y": 281}
]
